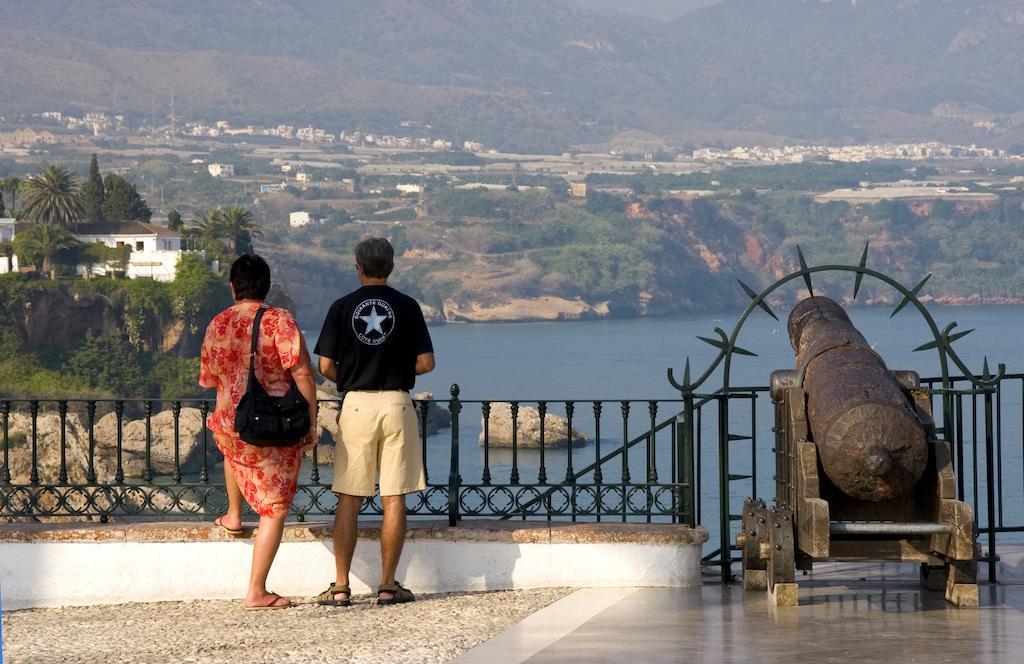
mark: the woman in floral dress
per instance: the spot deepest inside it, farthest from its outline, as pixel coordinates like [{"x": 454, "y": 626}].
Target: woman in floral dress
[{"x": 266, "y": 476}]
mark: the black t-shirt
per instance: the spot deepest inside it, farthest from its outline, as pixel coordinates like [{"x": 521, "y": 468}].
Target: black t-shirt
[{"x": 374, "y": 335}]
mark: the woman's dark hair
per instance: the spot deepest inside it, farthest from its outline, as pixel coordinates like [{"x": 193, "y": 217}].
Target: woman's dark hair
[
  {"x": 376, "y": 256},
  {"x": 250, "y": 275}
]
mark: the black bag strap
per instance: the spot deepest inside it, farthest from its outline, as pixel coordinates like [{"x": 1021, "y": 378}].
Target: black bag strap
[{"x": 253, "y": 346}]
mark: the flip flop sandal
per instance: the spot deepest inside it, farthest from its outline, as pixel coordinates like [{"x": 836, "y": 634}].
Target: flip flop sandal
[
  {"x": 273, "y": 605},
  {"x": 399, "y": 594},
  {"x": 234, "y": 532},
  {"x": 326, "y": 598}
]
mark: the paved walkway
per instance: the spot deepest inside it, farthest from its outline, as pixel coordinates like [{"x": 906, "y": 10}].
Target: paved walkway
[
  {"x": 435, "y": 628},
  {"x": 882, "y": 615}
]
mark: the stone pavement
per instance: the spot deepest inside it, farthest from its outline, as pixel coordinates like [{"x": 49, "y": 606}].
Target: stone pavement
[
  {"x": 433, "y": 629},
  {"x": 860, "y": 613}
]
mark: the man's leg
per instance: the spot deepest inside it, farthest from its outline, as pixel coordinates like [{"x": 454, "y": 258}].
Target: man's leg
[
  {"x": 392, "y": 538},
  {"x": 345, "y": 533},
  {"x": 232, "y": 519},
  {"x": 265, "y": 545}
]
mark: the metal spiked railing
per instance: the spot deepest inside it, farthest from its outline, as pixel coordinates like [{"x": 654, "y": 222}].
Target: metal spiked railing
[{"x": 728, "y": 348}]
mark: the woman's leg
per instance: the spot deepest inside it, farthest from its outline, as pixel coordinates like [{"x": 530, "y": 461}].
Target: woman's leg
[
  {"x": 233, "y": 517},
  {"x": 265, "y": 545}
]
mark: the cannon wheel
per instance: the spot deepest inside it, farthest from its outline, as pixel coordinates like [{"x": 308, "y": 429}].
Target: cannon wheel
[
  {"x": 781, "y": 558},
  {"x": 752, "y": 533}
]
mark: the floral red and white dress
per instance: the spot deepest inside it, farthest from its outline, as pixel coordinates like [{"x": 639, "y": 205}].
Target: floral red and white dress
[{"x": 267, "y": 476}]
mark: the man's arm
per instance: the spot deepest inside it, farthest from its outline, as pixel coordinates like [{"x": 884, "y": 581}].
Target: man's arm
[
  {"x": 329, "y": 368},
  {"x": 424, "y": 363}
]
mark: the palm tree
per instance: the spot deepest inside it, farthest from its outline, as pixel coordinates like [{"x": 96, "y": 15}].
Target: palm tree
[
  {"x": 10, "y": 185},
  {"x": 51, "y": 197},
  {"x": 205, "y": 229},
  {"x": 42, "y": 242},
  {"x": 238, "y": 227}
]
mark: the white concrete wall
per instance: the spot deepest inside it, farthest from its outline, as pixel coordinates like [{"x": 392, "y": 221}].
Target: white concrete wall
[{"x": 50, "y": 574}]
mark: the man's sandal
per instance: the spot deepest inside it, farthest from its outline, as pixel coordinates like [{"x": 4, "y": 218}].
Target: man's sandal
[
  {"x": 326, "y": 598},
  {"x": 399, "y": 595}
]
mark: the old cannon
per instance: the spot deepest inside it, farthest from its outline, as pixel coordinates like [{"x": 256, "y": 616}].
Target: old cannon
[{"x": 859, "y": 471}]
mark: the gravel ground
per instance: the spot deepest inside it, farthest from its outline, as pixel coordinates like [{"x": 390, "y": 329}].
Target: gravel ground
[{"x": 435, "y": 628}]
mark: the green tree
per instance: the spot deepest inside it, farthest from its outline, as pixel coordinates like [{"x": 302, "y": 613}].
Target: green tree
[
  {"x": 41, "y": 244},
  {"x": 3, "y": 212},
  {"x": 122, "y": 201},
  {"x": 174, "y": 221},
  {"x": 236, "y": 225},
  {"x": 114, "y": 260},
  {"x": 11, "y": 185},
  {"x": 107, "y": 361},
  {"x": 93, "y": 192},
  {"x": 52, "y": 197}
]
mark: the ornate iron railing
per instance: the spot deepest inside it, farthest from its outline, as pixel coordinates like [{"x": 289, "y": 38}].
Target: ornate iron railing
[{"x": 624, "y": 460}]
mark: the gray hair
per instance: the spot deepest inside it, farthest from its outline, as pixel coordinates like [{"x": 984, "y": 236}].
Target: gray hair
[{"x": 376, "y": 256}]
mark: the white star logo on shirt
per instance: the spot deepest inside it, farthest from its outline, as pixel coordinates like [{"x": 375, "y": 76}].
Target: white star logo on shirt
[{"x": 373, "y": 321}]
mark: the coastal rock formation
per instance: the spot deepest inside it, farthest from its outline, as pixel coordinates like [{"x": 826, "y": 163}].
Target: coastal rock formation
[
  {"x": 48, "y": 437},
  {"x": 133, "y": 449},
  {"x": 556, "y": 429}
]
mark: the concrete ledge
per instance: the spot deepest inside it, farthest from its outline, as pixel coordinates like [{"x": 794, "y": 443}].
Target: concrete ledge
[{"x": 45, "y": 565}]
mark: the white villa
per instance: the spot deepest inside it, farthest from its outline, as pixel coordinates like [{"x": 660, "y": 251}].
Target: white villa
[
  {"x": 7, "y": 229},
  {"x": 300, "y": 218},
  {"x": 221, "y": 170},
  {"x": 155, "y": 250}
]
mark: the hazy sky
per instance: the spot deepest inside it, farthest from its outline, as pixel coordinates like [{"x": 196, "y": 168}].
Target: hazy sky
[{"x": 660, "y": 9}]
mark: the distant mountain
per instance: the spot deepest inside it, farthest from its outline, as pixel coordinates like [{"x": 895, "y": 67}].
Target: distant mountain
[{"x": 531, "y": 73}]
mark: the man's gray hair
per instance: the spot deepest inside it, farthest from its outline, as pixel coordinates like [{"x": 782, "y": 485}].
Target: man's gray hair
[{"x": 376, "y": 256}]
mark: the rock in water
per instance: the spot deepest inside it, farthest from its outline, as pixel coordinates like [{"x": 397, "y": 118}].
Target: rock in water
[{"x": 556, "y": 429}]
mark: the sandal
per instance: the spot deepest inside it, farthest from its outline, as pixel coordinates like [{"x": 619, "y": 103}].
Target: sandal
[
  {"x": 399, "y": 594},
  {"x": 326, "y": 598},
  {"x": 275, "y": 603},
  {"x": 234, "y": 532}
]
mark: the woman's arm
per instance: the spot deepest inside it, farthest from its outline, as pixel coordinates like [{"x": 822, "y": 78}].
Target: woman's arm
[{"x": 302, "y": 374}]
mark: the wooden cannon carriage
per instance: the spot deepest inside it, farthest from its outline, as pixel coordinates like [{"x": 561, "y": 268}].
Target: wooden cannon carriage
[{"x": 860, "y": 472}]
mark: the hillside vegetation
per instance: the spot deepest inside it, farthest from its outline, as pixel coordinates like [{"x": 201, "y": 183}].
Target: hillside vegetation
[{"x": 533, "y": 75}]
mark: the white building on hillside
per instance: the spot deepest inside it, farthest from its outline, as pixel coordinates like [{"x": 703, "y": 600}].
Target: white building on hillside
[
  {"x": 7, "y": 229},
  {"x": 301, "y": 218},
  {"x": 222, "y": 170},
  {"x": 155, "y": 250},
  {"x": 409, "y": 188}
]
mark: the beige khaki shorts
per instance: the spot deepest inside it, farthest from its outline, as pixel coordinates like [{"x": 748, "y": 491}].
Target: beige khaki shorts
[{"x": 379, "y": 434}]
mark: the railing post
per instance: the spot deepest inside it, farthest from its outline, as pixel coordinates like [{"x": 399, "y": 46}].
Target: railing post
[
  {"x": 990, "y": 489},
  {"x": 725, "y": 539},
  {"x": 62, "y": 410},
  {"x": 485, "y": 411},
  {"x": 34, "y": 412},
  {"x": 684, "y": 459},
  {"x": 176, "y": 413},
  {"x": 204, "y": 409},
  {"x": 454, "y": 480},
  {"x": 147, "y": 474},
  {"x": 90, "y": 414},
  {"x": 119, "y": 413},
  {"x": 5, "y": 410}
]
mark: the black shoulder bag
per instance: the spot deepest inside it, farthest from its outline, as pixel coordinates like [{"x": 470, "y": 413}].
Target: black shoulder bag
[{"x": 266, "y": 421}]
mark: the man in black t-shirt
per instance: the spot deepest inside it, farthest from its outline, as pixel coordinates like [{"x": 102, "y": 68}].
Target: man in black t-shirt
[{"x": 373, "y": 345}]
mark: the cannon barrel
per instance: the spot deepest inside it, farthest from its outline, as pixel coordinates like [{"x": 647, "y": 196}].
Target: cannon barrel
[{"x": 870, "y": 441}]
